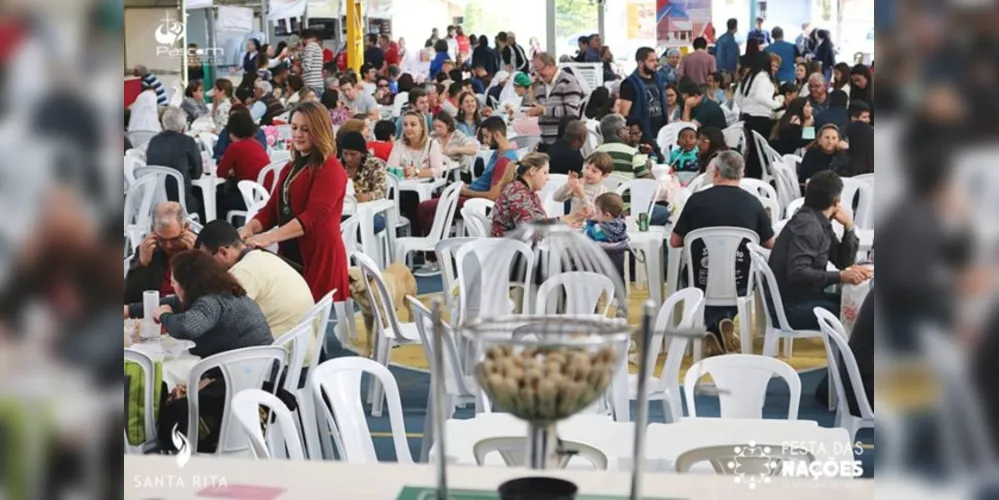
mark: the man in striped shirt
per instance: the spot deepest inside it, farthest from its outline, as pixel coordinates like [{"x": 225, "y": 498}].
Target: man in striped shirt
[
  {"x": 557, "y": 94},
  {"x": 628, "y": 161},
  {"x": 312, "y": 62},
  {"x": 152, "y": 82}
]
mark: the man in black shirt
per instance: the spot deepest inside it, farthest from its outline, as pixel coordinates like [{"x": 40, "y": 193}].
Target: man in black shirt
[
  {"x": 564, "y": 154},
  {"x": 514, "y": 57},
  {"x": 643, "y": 94},
  {"x": 699, "y": 109},
  {"x": 373, "y": 54},
  {"x": 724, "y": 205},
  {"x": 806, "y": 246}
]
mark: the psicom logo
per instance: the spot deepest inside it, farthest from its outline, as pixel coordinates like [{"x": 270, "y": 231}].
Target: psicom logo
[
  {"x": 183, "y": 448},
  {"x": 169, "y": 31}
]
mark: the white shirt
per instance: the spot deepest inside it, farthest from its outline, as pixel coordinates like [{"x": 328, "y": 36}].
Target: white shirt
[
  {"x": 145, "y": 113},
  {"x": 759, "y": 101}
]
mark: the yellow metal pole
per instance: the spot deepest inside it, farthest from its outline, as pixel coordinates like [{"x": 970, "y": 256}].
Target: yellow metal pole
[{"x": 355, "y": 35}]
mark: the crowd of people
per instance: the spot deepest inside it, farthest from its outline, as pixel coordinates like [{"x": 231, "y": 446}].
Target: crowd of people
[{"x": 459, "y": 95}]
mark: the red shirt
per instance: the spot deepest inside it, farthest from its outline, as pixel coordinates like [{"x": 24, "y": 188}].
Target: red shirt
[
  {"x": 463, "y": 46},
  {"x": 381, "y": 149},
  {"x": 392, "y": 54},
  {"x": 327, "y": 55},
  {"x": 243, "y": 160}
]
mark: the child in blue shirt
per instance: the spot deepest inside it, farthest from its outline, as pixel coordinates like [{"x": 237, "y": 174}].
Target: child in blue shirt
[
  {"x": 683, "y": 159},
  {"x": 607, "y": 223}
]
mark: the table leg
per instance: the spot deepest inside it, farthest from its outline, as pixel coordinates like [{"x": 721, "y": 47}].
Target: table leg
[
  {"x": 654, "y": 259},
  {"x": 368, "y": 242},
  {"x": 391, "y": 220},
  {"x": 208, "y": 195}
]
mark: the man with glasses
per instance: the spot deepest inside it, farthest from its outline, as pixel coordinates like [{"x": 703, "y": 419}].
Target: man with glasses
[
  {"x": 558, "y": 96},
  {"x": 150, "y": 267},
  {"x": 818, "y": 94},
  {"x": 280, "y": 291}
]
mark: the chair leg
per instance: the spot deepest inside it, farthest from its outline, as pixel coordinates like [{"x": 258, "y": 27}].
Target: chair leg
[
  {"x": 309, "y": 425},
  {"x": 378, "y": 392},
  {"x": 698, "y": 349},
  {"x": 770, "y": 340},
  {"x": 788, "y": 341},
  {"x": 745, "y": 326}
]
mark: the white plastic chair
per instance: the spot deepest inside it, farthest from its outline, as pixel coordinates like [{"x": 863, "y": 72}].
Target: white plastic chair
[
  {"x": 389, "y": 331},
  {"x": 274, "y": 170},
  {"x": 528, "y": 142},
  {"x": 735, "y": 137},
  {"x": 140, "y": 137},
  {"x": 255, "y": 197},
  {"x": 786, "y": 177},
  {"x": 139, "y": 209},
  {"x": 446, "y": 250},
  {"x": 666, "y": 387},
  {"x": 340, "y": 380},
  {"x": 765, "y": 193},
  {"x": 837, "y": 344},
  {"x": 614, "y": 180},
  {"x": 767, "y": 155},
  {"x": 513, "y": 451},
  {"x": 246, "y": 368},
  {"x": 864, "y": 193},
  {"x": 547, "y": 195},
  {"x": 583, "y": 291},
  {"x": 741, "y": 380},
  {"x": 484, "y": 267},
  {"x": 726, "y": 461},
  {"x": 392, "y": 193},
  {"x": 297, "y": 342},
  {"x": 161, "y": 174},
  {"x": 443, "y": 217},
  {"x": 667, "y": 136},
  {"x": 149, "y": 422},
  {"x": 246, "y": 407},
  {"x": 400, "y": 100},
  {"x": 721, "y": 247},
  {"x": 793, "y": 207},
  {"x": 349, "y": 230},
  {"x": 644, "y": 193},
  {"x": 475, "y": 214},
  {"x": 319, "y": 317},
  {"x": 771, "y": 295}
]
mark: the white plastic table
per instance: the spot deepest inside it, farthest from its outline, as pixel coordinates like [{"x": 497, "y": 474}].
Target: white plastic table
[
  {"x": 175, "y": 368},
  {"x": 424, "y": 188},
  {"x": 651, "y": 244},
  {"x": 158, "y": 476},
  {"x": 208, "y": 183},
  {"x": 367, "y": 211}
]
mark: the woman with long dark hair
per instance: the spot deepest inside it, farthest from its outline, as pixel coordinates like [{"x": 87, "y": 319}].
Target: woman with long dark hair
[
  {"x": 861, "y": 138},
  {"x": 841, "y": 77},
  {"x": 469, "y": 117},
  {"x": 786, "y": 137},
  {"x": 863, "y": 85},
  {"x": 306, "y": 205},
  {"x": 755, "y": 96}
]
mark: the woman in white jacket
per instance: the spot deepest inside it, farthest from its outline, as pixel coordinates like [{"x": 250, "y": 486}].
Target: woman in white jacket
[{"x": 755, "y": 96}]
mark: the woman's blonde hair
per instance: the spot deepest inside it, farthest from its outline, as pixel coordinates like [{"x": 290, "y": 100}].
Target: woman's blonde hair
[
  {"x": 516, "y": 170},
  {"x": 424, "y": 134},
  {"x": 321, "y": 129}
]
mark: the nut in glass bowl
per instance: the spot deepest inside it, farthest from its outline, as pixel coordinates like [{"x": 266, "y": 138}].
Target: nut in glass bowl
[{"x": 550, "y": 378}]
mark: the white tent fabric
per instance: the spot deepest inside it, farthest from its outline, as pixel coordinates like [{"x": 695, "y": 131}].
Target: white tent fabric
[{"x": 239, "y": 19}]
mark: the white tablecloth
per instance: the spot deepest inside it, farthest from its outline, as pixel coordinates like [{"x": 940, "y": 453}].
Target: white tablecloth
[
  {"x": 175, "y": 368},
  {"x": 423, "y": 188}
]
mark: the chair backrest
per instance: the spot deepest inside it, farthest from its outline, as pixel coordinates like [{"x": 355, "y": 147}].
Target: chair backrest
[
  {"x": 766, "y": 154},
  {"x": 161, "y": 174},
  {"x": 139, "y": 208},
  {"x": 836, "y": 342},
  {"x": 208, "y": 140},
  {"x": 514, "y": 452},
  {"x": 768, "y": 287},
  {"x": 129, "y": 164},
  {"x": 484, "y": 267},
  {"x": 319, "y": 315},
  {"x": 786, "y": 175},
  {"x": 349, "y": 230},
  {"x": 246, "y": 368},
  {"x": 765, "y": 193},
  {"x": 296, "y": 342},
  {"x": 340, "y": 380},
  {"x": 527, "y": 142},
  {"x": 793, "y": 207},
  {"x": 140, "y": 137},
  {"x": 692, "y": 309},
  {"x": 700, "y": 182},
  {"x": 644, "y": 193},
  {"x": 378, "y": 295},
  {"x": 547, "y": 194},
  {"x": 148, "y": 375},
  {"x": 475, "y": 213},
  {"x": 732, "y": 460},
  {"x": 582, "y": 291},
  {"x": 255, "y": 196},
  {"x": 741, "y": 380},
  {"x": 444, "y": 216},
  {"x": 274, "y": 171},
  {"x": 735, "y": 137},
  {"x": 446, "y": 250},
  {"x": 400, "y": 100},
  {"x": 614, "y": 180},
  {"x": 281, "y": 424},
  {"x": 667, "y": 136},
  {"x": 721, "y": 249},
  {"x": 593, "y": 137},
  {"x": 863, "y": 193},
  {"x": 454, "y": 374}
]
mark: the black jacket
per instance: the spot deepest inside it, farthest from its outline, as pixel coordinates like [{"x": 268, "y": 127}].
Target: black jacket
[
  {"x": 802, "y": 250},
  {"x": 141, "y": 278},
  {"x": 485, "y": 56},
  {"x": 181, "y": 153}
]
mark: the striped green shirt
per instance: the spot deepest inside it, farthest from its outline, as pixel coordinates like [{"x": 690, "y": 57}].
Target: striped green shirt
[{"x": 628, "y": 162}]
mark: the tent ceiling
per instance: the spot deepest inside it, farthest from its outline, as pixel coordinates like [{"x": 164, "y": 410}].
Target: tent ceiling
[{"x": 176, "y": 3}]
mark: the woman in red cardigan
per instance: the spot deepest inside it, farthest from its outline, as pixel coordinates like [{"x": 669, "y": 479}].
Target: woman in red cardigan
[{"x": 307, "y": 204}]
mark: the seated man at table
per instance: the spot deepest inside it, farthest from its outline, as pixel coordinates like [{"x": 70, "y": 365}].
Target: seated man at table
[
  {"x": 807, "y": 245},
  {"x": 723, "y": 205},
  {"x": 279, "y": 290},
  {"x": 150, "y": 267},
  {"x": 565, "y": 154}
]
